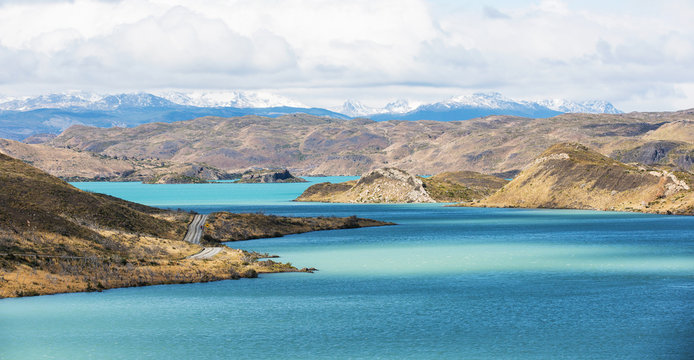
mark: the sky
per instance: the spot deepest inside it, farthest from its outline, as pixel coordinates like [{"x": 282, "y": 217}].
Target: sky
[{"x": 637, "y": 54}]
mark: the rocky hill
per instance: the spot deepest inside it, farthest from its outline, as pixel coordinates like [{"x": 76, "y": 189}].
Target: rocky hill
[
  {"x": 569, "y": 175},
  {"x": 390, "y": 185},
  {"x": 310, "y": 145},
  {"x": 387, "y": 185},
  {"x": 69, "y": 163},
  {"x": 81, "y": 165},
  {"x": 187, "y": 174}
]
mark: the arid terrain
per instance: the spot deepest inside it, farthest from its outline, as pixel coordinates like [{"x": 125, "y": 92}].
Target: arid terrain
[
  {"x": 570, "y": 175},
  {"x": 310, "y": 145}
]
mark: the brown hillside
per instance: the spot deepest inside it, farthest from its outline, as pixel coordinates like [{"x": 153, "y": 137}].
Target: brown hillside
[
  {"x": 569, "y": 175},
  {"x": 56, "y": 238},
  {"x": 34, "y": 200},
  {"x": 314, "y": 145},
  {"x": 81, "y": 165}
]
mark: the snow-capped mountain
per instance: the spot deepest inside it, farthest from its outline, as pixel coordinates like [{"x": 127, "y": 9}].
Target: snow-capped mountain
[
  {"x": 91, "y": 101},
  {"x": 23, "y": 117},
  {"x": 87, "y": 101},
  {"x": 71, "y": 99},
  {"x": 484, "y": 104},
  {"x": 355, "y": 108},
  {"x": 237, "y": 99},
  {"x": 589, "y": 107}
]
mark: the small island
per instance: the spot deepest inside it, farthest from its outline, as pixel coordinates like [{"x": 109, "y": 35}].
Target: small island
[
  {"x": 391, "y": 185},
  {"x": 262, "y": 176},
  {"x": 191, "y": 174}
]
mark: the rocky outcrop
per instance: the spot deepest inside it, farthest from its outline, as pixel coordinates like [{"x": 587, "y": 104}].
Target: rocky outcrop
[
  {"x": 191, "y": 174},
  {"x": 570, "y": 175},
  {"x": 677, "y": 155},
  {"x": 269, "y": 176},
  {"x": 387, "y": 185}
]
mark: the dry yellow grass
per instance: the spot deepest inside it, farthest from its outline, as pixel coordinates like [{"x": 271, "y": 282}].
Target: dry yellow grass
[
  {"x": 154, "y": 261},
  {"x": 574, "y": 177}
]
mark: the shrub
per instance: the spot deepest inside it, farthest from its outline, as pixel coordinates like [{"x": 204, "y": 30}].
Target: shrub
[{"x": 250, "y": 273}]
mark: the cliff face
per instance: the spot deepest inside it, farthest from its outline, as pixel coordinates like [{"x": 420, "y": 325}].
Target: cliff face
[
  {"x": 569, "y": 175},
  {"x": 387, "y": 185}
]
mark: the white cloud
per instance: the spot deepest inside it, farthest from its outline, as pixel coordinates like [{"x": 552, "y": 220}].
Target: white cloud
[{"x": 638, "y": 54}]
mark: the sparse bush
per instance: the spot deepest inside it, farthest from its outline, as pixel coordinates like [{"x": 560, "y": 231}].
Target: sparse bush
[{"x": 250, "y": 273}]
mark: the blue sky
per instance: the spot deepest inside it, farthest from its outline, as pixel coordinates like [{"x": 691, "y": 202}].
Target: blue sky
[{"x": 637, "y": 54}]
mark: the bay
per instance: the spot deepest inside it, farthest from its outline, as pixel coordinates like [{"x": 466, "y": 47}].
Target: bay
[{"x": 443, "y": 283}]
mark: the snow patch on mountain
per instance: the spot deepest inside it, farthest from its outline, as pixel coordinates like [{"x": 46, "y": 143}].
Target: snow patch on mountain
[
  {"x": 91, "y": 101},
  {"x": 589, "y": 106},
  {"x": 66, "y": 100},
  {"x": 491, "y": 101},
  {"x": 355, "y": 108},
  {"x": 238, "y": 99}
]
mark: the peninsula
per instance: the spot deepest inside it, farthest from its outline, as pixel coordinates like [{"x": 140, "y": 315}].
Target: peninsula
[{"x": 56, "y": 238}]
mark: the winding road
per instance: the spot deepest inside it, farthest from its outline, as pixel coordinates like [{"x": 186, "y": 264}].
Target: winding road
[
  {"x": 206, "y": 253},
  {"x": 194, "y": 234}
]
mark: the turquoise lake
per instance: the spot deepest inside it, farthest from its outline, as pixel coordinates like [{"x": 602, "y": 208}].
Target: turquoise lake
[{"x": 445, "y": 283}]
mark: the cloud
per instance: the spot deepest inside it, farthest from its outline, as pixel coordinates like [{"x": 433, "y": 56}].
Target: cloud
[
  {"x": 494, "y": 13},
  {"x": 383, "y": 48}
]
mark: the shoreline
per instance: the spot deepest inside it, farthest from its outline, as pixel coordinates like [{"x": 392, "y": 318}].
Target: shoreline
[{"x": 32, "y": 274}]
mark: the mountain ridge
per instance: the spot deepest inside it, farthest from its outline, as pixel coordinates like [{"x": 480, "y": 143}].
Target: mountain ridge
[
  {"x": 465, "y": 107},
  {"x": 310, "y": 145},
  {"x": 24, "y": 117}
]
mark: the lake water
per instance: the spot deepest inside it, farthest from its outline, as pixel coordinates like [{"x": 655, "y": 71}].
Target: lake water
[{"x": 446, "y": 283}]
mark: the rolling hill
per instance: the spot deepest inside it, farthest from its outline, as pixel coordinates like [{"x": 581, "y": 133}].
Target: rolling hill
[
  {"x": 311, "y": 145},
  {"x": 571, "y": 176}
]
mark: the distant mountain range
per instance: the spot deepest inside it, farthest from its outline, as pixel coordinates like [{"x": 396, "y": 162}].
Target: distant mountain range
[
  {"x": 90, "y": 101},
  {"x": 473, "y": 106},
  {"x": 24, "y": 117},
  {"x": 27, "y": 116}
]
